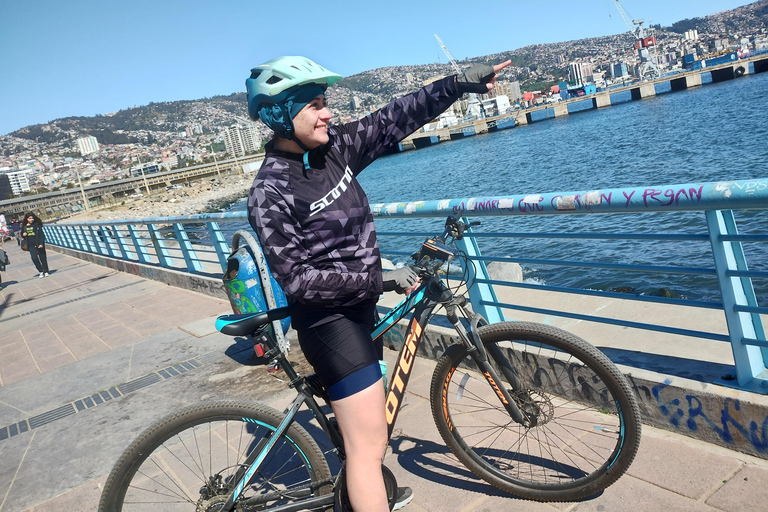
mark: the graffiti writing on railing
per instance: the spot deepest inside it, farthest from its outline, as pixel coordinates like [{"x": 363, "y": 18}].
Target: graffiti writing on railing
[
  {"x": 750, "y": 187},
  {"x": 691, "y": 415},
  {"x": 531, "y": 204},
  {"x": 668, "y": 196},
  {"x": 534, "y": 203},
  {"x": 484, "y": 205}
]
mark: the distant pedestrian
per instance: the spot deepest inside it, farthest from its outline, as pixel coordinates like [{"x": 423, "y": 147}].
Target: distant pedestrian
[
  {"x": 35, "y": 238},
  {"x": 3, "y": 262},
  {"x": 16, "y": 228},
  {"x": 5, "y": 232}
]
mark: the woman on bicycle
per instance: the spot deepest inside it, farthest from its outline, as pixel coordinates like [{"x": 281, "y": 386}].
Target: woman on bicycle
[{"x": 316, "y": 229}]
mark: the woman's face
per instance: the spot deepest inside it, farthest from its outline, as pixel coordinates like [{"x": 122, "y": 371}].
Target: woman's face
[
  {"x": 30, "y": 219},
  {"x": 311, "y": 123}
]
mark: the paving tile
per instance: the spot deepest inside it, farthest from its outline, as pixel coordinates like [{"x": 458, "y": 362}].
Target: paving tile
[
  {"x": 14, "y": 353},
  {"x": 200, "y": 326},
  {"x": 9, "y": 338},
  {"x": 90, "y": 316},
  {"x": 35, "y": 331},
  {"x": 46, "y": 347},
  {"x": 64, "y": 329},
  {"x": 88, "y": 348},
  {"x": 77, "y": 336},
  {"x": 84, "y": 497},
  {"x": 18, "y": 371},
  {"x": 118, "y": 336},
  {"x": 54, "y": 362},
  {"x": 632, "y": 495},
  {"x": 121, "y": 312},
  {"x": 150, "y": 327},
  {"x": 99, "y": 325},
  {"x": 746, "y": 490},
  {"x": 510, "y": 503},
  {"x": 669, "y": 462}
]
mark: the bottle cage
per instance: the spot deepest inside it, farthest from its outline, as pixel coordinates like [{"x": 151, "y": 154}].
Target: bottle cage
[{"x": 250, "y": 285}]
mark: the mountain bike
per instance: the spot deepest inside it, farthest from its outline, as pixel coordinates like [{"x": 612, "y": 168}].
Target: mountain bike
[{"x": 531, "y": 409}]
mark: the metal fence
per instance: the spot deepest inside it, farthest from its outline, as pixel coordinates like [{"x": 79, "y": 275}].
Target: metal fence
[{"x": 200, "y": 244}]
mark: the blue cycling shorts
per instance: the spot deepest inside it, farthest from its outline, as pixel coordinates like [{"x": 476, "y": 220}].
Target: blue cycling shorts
[{"x": 342, "y": 353}]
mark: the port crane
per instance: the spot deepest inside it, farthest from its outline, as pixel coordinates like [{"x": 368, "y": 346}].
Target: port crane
[
  {"x": 643, "y": 41},
  {"x": 474, "y": 103}
]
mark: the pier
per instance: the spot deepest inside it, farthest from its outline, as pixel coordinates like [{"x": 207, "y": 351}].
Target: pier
[
  {"x": 123, "y": 333},
  {"x": 602, "y": 99}
]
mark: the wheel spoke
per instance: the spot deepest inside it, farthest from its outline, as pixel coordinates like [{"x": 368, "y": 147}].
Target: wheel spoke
[
  {"x": 570, "y": 392},
  {"x": 186, "y": 462}
]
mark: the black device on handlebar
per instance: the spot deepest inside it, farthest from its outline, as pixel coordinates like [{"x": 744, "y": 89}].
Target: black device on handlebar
[{"x": 435, "y": 248}]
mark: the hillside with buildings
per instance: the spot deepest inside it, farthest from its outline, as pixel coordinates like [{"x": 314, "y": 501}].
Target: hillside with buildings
[{"x": 168, "y": 135}]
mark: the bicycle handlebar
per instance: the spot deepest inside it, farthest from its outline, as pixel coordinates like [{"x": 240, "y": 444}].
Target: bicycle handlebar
[{"x": 434, "y": 251}]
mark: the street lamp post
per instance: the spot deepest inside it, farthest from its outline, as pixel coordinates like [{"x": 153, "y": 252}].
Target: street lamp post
[
  {"x": 141, "y": 168},
  {"x": 82, "y": 190},
  {"x": 216, "y": 162}
]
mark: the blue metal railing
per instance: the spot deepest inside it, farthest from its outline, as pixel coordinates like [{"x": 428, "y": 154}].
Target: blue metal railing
[{"x": 199, "y": 244}]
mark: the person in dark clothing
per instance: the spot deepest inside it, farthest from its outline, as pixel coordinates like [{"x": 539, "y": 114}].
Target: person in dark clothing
[
  {"x": 316, "y": 229},
  {"x": 3, "y": 262},
  {"x": 32, "y": 231},
  {"x": 16, "y": 228}
]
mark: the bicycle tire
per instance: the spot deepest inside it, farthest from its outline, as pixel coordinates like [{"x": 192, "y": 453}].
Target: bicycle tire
[
  {"x": 587, "y": 429},
  {"x": 173, "y": 464}
]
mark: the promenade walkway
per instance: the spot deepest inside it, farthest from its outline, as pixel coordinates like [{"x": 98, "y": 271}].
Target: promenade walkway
[{"x": 89, "y": 356}]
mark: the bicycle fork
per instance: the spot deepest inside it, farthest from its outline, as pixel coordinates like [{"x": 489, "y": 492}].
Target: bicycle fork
[{"x": 473, "y": 343}]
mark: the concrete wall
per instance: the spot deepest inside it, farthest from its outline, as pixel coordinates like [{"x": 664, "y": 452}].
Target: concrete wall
[{"x": 211, "y": 286}]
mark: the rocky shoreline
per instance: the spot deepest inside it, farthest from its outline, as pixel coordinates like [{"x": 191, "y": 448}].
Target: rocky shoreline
[{"x": 202, "y": 196}]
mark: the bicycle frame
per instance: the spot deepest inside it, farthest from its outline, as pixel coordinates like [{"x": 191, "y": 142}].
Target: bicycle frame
[{"x": 423, "y": 303}]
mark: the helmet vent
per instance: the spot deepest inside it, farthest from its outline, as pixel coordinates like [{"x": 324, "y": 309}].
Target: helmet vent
[
  {"x": 273, "y": 79},
  {"x": 255, "y": 74}
]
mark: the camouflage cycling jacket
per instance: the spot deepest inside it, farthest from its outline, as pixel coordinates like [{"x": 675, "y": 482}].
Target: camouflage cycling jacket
[{"x": 315, "y": 226}]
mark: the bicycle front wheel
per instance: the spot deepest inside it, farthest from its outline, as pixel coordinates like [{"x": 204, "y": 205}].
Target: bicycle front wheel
[
  {"x": 187, "y": 462},
  {"x": 585, "y": 422}
]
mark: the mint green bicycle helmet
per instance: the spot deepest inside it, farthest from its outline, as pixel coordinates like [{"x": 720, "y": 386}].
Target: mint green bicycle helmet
[{"x": 274, "y": 82}]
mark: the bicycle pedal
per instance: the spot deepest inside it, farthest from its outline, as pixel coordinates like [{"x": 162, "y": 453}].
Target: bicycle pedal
[
  {"x": 259, "y": 349},
  {"x": 273, "y": 367}
]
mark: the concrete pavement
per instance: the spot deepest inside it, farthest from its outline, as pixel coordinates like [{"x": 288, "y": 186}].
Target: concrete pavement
[{"x": 89, "y": 356}]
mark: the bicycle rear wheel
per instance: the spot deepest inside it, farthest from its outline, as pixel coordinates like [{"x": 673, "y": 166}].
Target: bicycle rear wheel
[
  {"x": 187, "y": 460},
  {"x": 586, "y": 422}
]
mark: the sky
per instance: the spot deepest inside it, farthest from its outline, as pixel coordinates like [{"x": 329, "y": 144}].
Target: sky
[{"x": 61, "y": 58}]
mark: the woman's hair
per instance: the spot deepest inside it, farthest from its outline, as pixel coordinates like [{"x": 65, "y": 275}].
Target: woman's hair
[{"x": 35, "y": 218}]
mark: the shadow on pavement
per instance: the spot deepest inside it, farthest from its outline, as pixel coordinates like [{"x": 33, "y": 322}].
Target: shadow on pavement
[
  {"x": 242, "y": 352},
  {"x": 6, "y": 300},
  {"x": 435, "y": 463},
  {"x": 63, "y": 289}
]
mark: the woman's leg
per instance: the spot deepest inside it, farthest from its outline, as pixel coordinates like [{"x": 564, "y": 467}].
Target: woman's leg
[
  {"x": 33, "y": 253},
  {"x": 364, "y": 428},
  {"x": 43, "y": 259}
]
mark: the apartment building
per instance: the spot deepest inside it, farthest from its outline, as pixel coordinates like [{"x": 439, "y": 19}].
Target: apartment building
[
  {"x": 87, "y": 145},
  {"x": 241, "y": 140}
]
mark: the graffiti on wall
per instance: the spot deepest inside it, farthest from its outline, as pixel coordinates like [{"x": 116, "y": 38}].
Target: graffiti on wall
[{"x": 687, "y": 411}]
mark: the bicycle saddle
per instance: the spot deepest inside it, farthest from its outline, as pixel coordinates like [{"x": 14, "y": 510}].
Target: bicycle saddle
[{"x": 249, "y": 323}]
